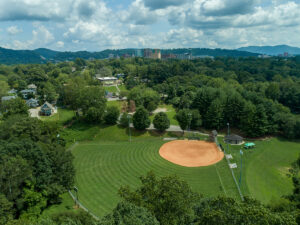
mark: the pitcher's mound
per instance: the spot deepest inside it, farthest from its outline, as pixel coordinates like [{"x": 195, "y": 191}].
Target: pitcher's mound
[{"x": 191, "y": 153}]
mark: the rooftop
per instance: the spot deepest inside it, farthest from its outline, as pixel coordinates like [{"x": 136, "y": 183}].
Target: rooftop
[
  {"x": 233, "y": 137},
  {"x": 106, "y": 78}
]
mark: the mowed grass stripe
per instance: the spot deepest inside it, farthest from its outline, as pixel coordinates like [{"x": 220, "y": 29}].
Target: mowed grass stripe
[{"x": 101, "y": 168}]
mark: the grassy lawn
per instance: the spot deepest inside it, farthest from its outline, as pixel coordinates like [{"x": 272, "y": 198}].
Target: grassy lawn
[
  {"x": 122, "y": 87},
  {"x": 111, "y": 89},
  {"x": 170, "y": 113},
  {"x": 110, "y": 161},
  {"x": 265, "y": 168},
  {"x": 115, "y": 103},
  {"x": 66, "y": 206},
  {"x": 62, "y": 116}
]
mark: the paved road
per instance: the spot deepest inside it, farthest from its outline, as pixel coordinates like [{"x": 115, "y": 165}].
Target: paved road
[{"x": 174, "y": 128}]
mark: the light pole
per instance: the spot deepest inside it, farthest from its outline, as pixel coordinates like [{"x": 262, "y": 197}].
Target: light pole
[
  {"x": 227, "y": 137},
  {"x": 190, "y": 120},
  {"x": 129, "y": 131}
]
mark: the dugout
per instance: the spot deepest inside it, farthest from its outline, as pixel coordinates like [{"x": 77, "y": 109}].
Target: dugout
[{"x": 233, "y": 139}]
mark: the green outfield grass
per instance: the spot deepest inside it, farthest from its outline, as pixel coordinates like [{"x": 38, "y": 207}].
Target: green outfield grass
[
  {"x": 103, "y": 166},
  {"x": 265, "y": 168}
]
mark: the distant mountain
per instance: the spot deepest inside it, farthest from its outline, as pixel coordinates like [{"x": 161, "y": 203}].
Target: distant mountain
[
  {"x": 43, "y": 55},
  {"x": 8, "y": 56},
  {"x": 271, "y": 50}
]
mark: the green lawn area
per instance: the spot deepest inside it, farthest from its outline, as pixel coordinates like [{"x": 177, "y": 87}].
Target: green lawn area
[
  {"x": 115, "y": 103},
  {"x": 66, "y": 206},
  {"x": 62, "y": 116},
  {"x": 170, "y": 113},
  {"x": 265, "y": 168},
  {"x": 112, "y": 89},
  {"x": 122, "y": 87}
]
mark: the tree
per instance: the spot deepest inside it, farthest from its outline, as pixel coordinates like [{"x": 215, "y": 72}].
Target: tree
[
  {"x": 6, "y": 210},
  {"x": 215, "y": 115},
  {"x": 196, "y": 119},
  {"x": 144, "y": 97},
  {"x": 141, "y": 119},
  {"x": 129, "y": 214},
  {"x": 124, "y": 120},
  {"x": 13, "y": 107},
  {"x": 184, "y": 118},
  {"x": 112, "y": 115},
  {"x": 170, "y": 199},
  {"x": 4, "y": 88},
  {"x": 161, "y": 121},
  {"x": 223, "y": 211},
  {"x": 93, "y": 115}
]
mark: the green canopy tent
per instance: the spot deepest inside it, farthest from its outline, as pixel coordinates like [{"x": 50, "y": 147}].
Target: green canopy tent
[{"x": 249, "y": 145}]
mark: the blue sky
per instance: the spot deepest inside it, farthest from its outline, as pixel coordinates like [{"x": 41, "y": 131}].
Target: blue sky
[{"x": 94, "y": 25}]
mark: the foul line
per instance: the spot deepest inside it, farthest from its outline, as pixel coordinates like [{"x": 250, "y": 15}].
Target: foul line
[
  {"x": 221, "y": 181},
  {"x": 82, "y": 206}
]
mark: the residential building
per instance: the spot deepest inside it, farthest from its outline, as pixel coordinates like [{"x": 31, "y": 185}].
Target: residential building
[
  {"x": 32, "y": 103},
  {"x": 32, "y": 87},
  {"x": 108, "y": 80},
  {"x": 12, "y": 91},
  {"x": 27, "y": 92},
  {"x": 7, "y": 98},
  {"x": 46, "y": 109}
]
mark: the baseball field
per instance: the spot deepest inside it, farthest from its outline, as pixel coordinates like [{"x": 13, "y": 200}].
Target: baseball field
[{"x": 105, "y": 159}]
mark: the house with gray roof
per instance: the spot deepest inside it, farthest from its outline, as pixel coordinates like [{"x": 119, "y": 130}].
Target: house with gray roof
[
  {"x": 47, "y": 109},
  {"x": 7, "y": 98},
  {"x": 32, "y": 103},
  {"x": 27, "y": 92}
]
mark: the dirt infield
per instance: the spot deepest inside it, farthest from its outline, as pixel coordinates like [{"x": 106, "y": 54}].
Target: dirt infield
[{"x": 191, "y": 153}]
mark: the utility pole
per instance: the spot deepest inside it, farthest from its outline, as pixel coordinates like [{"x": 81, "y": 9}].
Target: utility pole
[
  {"x": 227, "y": 136},
  {"x": 189, "y": 127}
]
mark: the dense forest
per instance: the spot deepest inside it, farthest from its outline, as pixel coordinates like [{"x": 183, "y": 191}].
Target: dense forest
[{"x": 258, "y": 97}]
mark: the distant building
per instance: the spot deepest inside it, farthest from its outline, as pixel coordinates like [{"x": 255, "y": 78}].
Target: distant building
[
  {"x": 108, "y": 80},
  {"x": 12, "y": 91},
  {"x": 168, "y": 56},
  {"x": 156, "y": 54},
  {"x": 32, "y": 103},
  {"x": 120, "y": 75},
  {"x": 139, "y": 53},
  {"x": 32, "y": 87},
  {"x": 184, "y": 56},
  {"x": 7, "y": 98},
  {"x": 233, "y": 139},
  {"x": 27, "y": 92},
  {"x": 147, "y": 53},
  {"x": 47, "y": 109}
]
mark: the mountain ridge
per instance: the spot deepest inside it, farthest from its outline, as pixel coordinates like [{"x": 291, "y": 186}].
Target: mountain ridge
[
  {"x": 271, "y": 50},
  {"x": 44, "y": 55}
]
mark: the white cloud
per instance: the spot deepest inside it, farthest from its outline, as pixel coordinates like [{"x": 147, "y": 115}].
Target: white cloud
[
  {"x": 60, "y": 44},
  {"x": 13, "y": 30}
]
